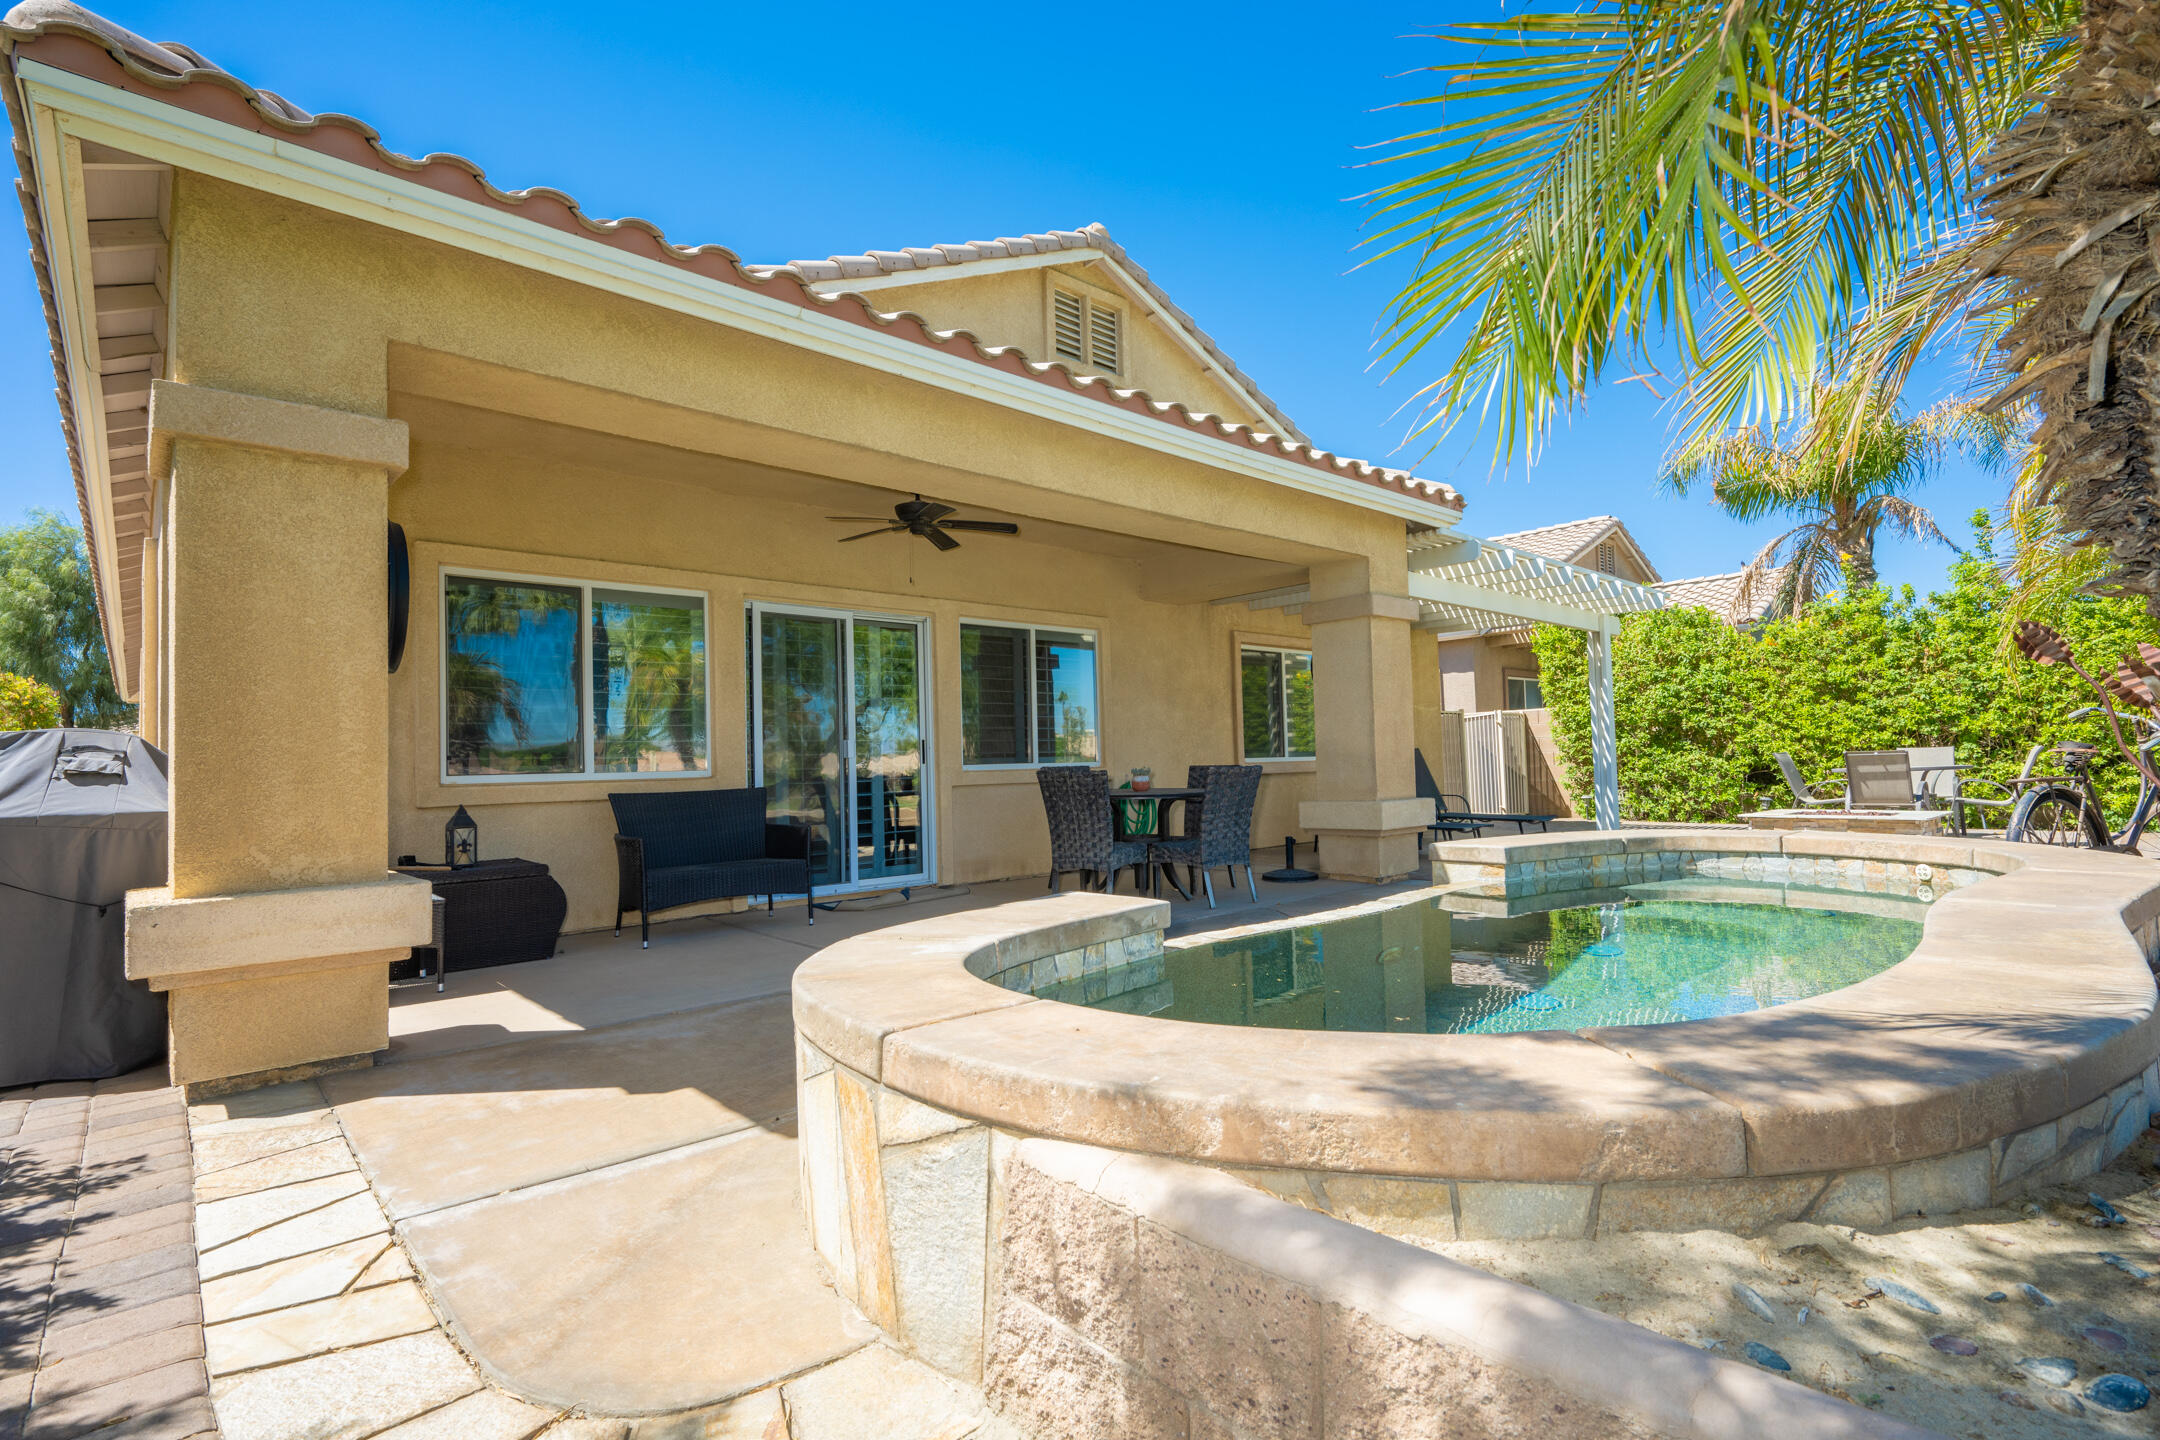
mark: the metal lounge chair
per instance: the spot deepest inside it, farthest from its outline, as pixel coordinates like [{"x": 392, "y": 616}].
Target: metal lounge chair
[
  {"x": 1451, "y": 813},
  {"x": 1879, "y": 780},
  {"x": 1805, "y": 795}
]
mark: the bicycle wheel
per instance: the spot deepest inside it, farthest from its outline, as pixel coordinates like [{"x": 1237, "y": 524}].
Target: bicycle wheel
[{"x": 2057, "y": 815}]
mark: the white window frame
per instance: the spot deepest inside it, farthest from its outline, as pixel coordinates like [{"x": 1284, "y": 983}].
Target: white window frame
[
  {"x": 1242, "y": 648},
  {"x": 1102, "y": 743},
  {"x": 1508, "y": 679},
  {"x": 587, "y": 720}
]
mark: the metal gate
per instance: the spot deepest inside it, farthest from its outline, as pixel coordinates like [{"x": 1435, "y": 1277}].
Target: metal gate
[{"x": 1485, "y": 761}]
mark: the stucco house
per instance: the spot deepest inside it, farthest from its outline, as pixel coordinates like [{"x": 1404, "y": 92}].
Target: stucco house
[
  {"x": 594, "y": 472},
  {"x": 1495, "y": 668}
]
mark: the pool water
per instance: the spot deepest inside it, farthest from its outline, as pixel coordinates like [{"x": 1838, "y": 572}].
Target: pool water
[{"x": 1650, "y": 954}]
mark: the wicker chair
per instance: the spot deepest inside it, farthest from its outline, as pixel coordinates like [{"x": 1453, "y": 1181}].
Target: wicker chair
[
  {"x": 683, "y": 847},
  {"x": 1076, "y": 800},
  {"x": 1218, "y": 827}
]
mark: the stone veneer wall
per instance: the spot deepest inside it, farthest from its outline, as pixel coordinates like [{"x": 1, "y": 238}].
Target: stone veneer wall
[
  {"x": 1918, "y": 879},
  {"x": 1095, "y": 1295}
]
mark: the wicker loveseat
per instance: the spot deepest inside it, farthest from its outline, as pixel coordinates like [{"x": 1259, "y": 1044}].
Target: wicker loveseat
[{"x": 684, "y": 847}]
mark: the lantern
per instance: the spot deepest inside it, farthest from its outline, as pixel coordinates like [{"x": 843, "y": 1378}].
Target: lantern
[{"x": 461, "y": 841}]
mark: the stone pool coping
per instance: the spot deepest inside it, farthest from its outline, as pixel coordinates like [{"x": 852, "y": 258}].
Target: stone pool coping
[{"x": 2012, "y": 1044}]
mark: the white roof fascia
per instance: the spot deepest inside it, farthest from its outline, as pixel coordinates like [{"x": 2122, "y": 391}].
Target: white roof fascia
[
  {"x": 155, "y": 130},
  {"x": 1132, "y": 289}
]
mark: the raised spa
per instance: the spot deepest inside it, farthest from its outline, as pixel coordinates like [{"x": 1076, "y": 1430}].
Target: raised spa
[{"x": 1645, "y": 954}]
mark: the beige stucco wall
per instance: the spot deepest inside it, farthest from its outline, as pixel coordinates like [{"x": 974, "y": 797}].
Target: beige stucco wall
[
  {"x": 1167, "y": 673},
  {"x": 1474, "y": 671},
  {"x": 724, "y": 440},
  {"x": 1012, "y": 308}
]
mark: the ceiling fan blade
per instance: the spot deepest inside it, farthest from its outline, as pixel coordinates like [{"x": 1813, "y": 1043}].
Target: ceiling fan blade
[
  {"x": 940, "y": 539},
  {"x": 885, "y": 530},
  {"x": 915, "y": 512},
  {"x": 862, "y": 519},
  {"x": 981, "y": 527}
]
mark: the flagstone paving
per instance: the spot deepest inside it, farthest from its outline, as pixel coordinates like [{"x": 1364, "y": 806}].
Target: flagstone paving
[{"x": 565, "y": 1205}]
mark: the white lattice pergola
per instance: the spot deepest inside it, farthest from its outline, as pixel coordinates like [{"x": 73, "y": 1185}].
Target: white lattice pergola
[{"x": 1466, "y": 586}]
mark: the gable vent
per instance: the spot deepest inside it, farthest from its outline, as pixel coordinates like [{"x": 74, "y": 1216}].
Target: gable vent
[
  {"x": 1606, "y": 560},
  {"x": 1104, "y": 340},
  {"x": 1069, "y": 320}
]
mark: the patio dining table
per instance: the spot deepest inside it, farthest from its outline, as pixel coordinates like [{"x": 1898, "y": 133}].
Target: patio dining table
[{"x": 1164, "y": 797}]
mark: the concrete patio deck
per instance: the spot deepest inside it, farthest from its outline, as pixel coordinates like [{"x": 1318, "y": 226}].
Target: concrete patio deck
[{"x": 590, "y": 1160}]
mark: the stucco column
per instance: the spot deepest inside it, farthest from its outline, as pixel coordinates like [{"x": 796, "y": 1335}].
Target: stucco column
[
  {"x": 273, "y": 937},
  {"x": 1367, "y": 814}
]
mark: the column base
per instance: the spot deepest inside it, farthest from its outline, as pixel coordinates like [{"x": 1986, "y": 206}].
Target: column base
[
  {"x": 275, "y": 985},
  {"x": 1375, "y": 841}
]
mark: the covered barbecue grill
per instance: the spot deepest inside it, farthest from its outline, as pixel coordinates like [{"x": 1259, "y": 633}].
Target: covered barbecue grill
[{"x": 82, "y": 822}]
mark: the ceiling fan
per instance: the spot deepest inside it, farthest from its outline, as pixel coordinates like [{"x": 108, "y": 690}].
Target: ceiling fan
[{"x": 927, "y": 519}]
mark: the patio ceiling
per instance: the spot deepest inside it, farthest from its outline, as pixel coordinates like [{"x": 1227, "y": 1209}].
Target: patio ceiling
[{"x": 1466, "y": 586}]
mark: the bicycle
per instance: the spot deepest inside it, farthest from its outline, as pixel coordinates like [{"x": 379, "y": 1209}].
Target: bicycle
[{"x": 2066, "y": 809}]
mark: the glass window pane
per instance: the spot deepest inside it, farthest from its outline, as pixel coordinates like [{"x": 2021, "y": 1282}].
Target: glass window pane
[
  {"x": 1524, "y": 693},
  {"x": 1297, "y": 703},
  {"x": 1065, "y": 731},
  {"x": 648, "y": 679},
  {"x": 802, "y": 659},
  {"x": 1260, "y": 679},
  {"x": 510, "y": 679},
  {"x": 993, "y": 696},
  {"x": 888, "y": 749}
]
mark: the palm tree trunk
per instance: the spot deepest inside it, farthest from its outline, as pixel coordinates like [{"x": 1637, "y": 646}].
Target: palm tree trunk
[
  {"x": 2076, "y": 232},
  {"x": 1859, "y": 556}
]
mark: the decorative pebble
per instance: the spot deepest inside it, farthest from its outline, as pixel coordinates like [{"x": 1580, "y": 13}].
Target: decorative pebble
[
  {"x": 2120, "y": 1393},
  {"x": 1805, "y": 1311},
  {"x": 2109, "y": 1257},
  {"x": 2111, "y": 1341},
  {"x": 1996, "y": 1297},
  {"x": 2054, "y": 1369},
  {"x": 2108, "y": 1213},
  {"x": 1954, "y": 1345},
  {"x": 2035, "y": 1294},
  {"x": 2068, "y": 1404},
  {"x": 2011, "y": 1397},
  {"x": 1748, "y": 1295},
  {"x": 1904, "y": 1295},
  {"x": 1769, "y": 1359}
]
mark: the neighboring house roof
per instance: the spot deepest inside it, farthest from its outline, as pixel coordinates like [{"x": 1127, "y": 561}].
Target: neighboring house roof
[
  {"x": 87, "y": 45},
  {"x": 925, "y": 264},
  {"x": 1720, "y": 594},
  {"x": 1572, "y": 540}
]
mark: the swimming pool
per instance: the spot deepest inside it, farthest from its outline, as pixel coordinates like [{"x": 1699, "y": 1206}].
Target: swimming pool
[{"x": 1646, "y": 954}]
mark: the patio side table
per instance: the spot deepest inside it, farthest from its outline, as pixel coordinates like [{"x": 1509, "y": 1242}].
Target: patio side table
[{"x": 495, "y": 912}]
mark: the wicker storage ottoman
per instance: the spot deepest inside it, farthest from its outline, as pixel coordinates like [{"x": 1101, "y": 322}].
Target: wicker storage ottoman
[{"x": 495, "y": 912}]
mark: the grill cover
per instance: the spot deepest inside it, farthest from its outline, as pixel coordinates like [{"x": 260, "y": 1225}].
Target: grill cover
[{"x": 82, "y": 822}]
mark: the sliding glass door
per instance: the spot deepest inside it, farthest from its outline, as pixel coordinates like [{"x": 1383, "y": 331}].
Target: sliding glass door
[{"x": 840, "y": 725}]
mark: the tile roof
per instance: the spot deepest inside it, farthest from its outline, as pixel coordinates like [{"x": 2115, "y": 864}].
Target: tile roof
[
  {"x": 1720, "y": 594},
  {"x": 876, "y": 264},
  {"x": 72, "y": 38},
  {"x": 1558, "y": 542}
]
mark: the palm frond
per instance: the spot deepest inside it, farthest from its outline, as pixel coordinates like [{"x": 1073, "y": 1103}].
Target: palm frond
[{"x": 1740, "y": 177}]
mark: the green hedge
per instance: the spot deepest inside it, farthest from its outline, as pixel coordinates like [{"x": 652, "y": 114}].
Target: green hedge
[{"x": 1702, "y": 707}]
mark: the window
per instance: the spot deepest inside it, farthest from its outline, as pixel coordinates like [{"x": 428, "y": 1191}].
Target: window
[
  {"x": 1086, "y": 331},
  {"x": 545, "y": 679},
  {"x": 1276, "y": 688},
  {"x": 1027, "y": 696},
  {"x": 1524, "y": 693}
]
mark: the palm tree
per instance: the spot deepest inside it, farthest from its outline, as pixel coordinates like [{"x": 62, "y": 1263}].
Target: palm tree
[
  {"x": 1844, "y": 474},
  {"x": 1742, "y": 183},
  {"x": 2075, "y": 235}
]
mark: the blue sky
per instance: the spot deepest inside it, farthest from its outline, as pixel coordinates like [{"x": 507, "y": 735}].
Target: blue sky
[{"x": 1218, "y": 142}]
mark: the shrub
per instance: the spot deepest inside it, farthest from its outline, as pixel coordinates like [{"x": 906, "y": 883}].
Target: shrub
[
  {"x": 1701, "y": 708},
  {"x": 27, "y": 705}
]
